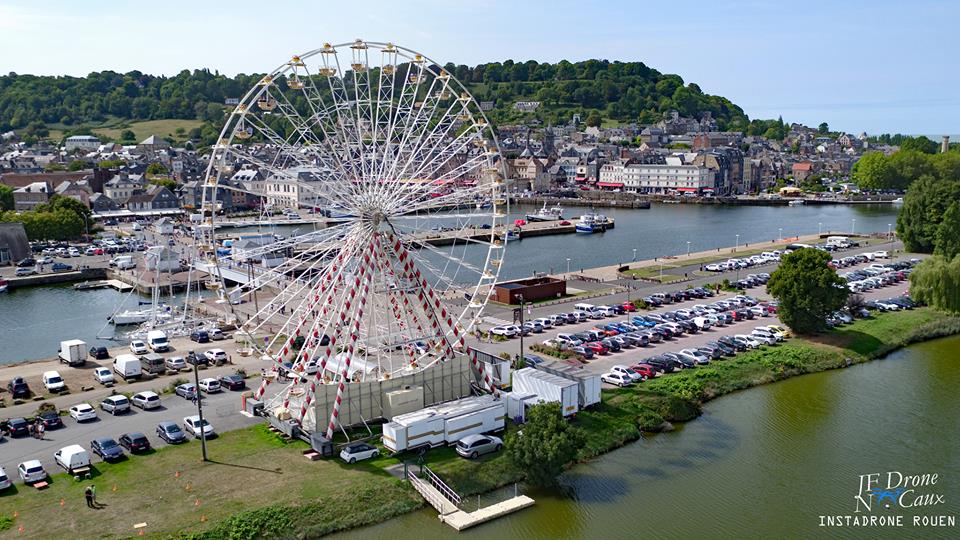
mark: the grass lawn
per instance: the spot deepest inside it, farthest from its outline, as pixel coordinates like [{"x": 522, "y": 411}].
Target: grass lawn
[
  {"x": 162, "y": 128},
  {"x": 256, "y": 480}
]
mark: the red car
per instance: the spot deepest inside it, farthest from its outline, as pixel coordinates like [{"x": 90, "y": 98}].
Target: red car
[
  {"x": 628, "y": 306},
  {"x": 607, "y": 332},
  {"x": 596, "y": 347},
  {"x": 565, "y": 222},
  {"x": 646, "y": 370}
]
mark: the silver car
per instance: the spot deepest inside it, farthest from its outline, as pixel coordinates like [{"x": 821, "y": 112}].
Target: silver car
[
  {"x": 115, "y": 404},
  {"x": 473, "y": 446}
]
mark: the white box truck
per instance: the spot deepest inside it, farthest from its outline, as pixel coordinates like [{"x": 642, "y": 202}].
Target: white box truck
[
  {"x": 73, "y": 352},
  {"x": 548, "y": 388},
  {"x": 73, "y": 458},
  {"x": 157, "y": 341},
  {"x": 127, "y": 366},
  {"x": 444, "y": 423},
  {"x": 516, "y": 408},
  {"x": 588, "y": 383}
]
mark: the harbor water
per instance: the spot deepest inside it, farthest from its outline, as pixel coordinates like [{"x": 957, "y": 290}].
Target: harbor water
[
  {"x": 766, "y": 462},
  {"x": 35, "y": 319}
]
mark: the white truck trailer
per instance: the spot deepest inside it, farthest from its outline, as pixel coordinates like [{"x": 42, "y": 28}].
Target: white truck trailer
[
  {"x": 445, "y": 423},
  {"x": 548, "y": 388},
  {"x": 73, "y": 352},
  {"x": 589, "y": 383}
]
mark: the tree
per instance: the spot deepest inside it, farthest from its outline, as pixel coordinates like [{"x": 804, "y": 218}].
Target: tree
[
  {"x": 922, "y": 211},
  {"x": 823, "y": 128},
  {"x": 128, "y": 136},
  {"x": 936, "y": 282},
  {"x": 908, "y": 165},
  {"x": 947, "y": 241},
  {"x": 545, "y": 445},
  {"x": 168, "y": 183},
  {"x": 919, "y": 144},
  {"x": 156, "y": 168},
  {"x": 6, "y": 197},
  {"x": 873, "y": 171},
  {"x": 77, "y": 165},
  {"x": 808, "y": 290},
  {"x": 593, "y": 119}
]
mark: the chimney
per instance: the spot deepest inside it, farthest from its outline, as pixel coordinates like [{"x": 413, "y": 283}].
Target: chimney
[{"x": 945, "y": 145}]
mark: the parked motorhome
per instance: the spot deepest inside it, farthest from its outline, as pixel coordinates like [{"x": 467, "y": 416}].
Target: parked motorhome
[{"x": 548, "y": 388}]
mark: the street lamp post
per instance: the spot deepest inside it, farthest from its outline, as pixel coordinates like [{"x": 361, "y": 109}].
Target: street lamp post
[
  {"x": 738, "y": 243},
  {"x": 196, "y": 389},
  {"x": 520, "y": 357},
  {"x": 819, "y": 229},
  {"x": 634, "y": 254},
  {"x": 890, "y": 232},
  {"x": 568, "y": 265},
  {"x": 780, "y": 234},
  {"x": 853, "y": 226},
  {"x": 688, "y": 249}
]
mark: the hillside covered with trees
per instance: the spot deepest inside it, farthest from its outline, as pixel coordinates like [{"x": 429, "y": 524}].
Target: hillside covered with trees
[{"x": 596, "y": 89}]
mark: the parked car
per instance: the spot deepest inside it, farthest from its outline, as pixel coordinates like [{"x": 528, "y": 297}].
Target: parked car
[
  {"x": 103, "y": 376},
  {"x": 619, "y": 379},
  {"x": 646, "y": 370},
  {"x": 83, "y": 412},
  {"x": 4, "y": 480},
  {"x": 99, "y": 353},
  {"x": 186, "y": 391},
  {"x": 51, "y": 419},
  {"x": 200, "y": 336},
  {"x": 106, "y": 448},
  {"x": 216, "y": 356},
  {"x": 18, "y": 427},
  {"x": 31, "y": 471},
  {"x": 359, "y": 451},
  {"x": 138, "y": 347},
  {"x": 135, "y": 442},
  {"x": 171, "y": 432},
  {"x": 474, "y": 446},
  {"x": 29, "y": 261},
  {"x": 195, "y": 427},
  {"x": 22, "y": 272},
  {"x": 146, "y": 400},
  {"x": 210, "y": 385},
  {"x": 61, "y": 267},
  {"x": 53, "y": 382},
  {"x": 175, "y": 363},
  {"x": 233, "y": 382},
  {"x": 18, "y": 388},
  {"x": 196, "y": 359}
]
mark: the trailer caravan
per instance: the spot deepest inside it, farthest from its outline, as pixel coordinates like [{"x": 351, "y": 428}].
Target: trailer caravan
[
  {"x": 589, "y": 383},
  {"x": 445, "y": 423},
  {"x": 548, "y": 388}
]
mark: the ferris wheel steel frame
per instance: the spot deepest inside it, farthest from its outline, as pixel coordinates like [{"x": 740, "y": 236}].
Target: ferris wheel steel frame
[{"x": 364, "y": 298}]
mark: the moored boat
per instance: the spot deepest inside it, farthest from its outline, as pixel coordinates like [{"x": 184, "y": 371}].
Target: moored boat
[
  {"x": 554, "y": 213},
  {"x": 4, "y": 284}
]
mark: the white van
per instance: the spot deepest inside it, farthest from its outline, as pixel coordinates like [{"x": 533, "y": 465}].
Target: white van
[
  {"x": 72, "y": 458},
  {"x": 838, "y": 240},
  {"x": 589, "y": 308},
  {"x": 53, "y": 381},
  {"x": 127, "y": 366},
  {"x": 157, "y": 341},
  {"x": 123, "y": 262}
]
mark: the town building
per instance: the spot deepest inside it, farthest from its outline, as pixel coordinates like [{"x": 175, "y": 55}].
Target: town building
[
  {"x": 29, "y": 196},
  {"x": 84, "y": 143}
]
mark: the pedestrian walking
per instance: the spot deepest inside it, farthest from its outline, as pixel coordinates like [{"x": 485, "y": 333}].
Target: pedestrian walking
[
  {"x": 93, "y": 496},
  {"x": 88, "y": 494}
]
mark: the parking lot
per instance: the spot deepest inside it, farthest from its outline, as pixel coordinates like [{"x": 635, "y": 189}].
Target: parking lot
[{"x": 633, "y": 355}]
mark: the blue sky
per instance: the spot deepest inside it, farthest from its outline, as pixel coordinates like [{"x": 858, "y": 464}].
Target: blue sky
[{"x": 880, "y": 66}]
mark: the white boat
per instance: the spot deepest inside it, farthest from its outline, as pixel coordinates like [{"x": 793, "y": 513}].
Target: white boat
[
  {"x": 591, "y": 222},
  {"x": 3, "y": 285},
  {"x": 140, "y": 316},
  {"x": 898, "y": 200},
  {"x": 547, "y": 214},
  {"x": 796, "y": 202},
  {"x": 511, "y": 235}
]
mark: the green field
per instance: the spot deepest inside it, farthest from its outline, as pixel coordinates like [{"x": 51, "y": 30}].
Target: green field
[{"x": 162, "y": 128}]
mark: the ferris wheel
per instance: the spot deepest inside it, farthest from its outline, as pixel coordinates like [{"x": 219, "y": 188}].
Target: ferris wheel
[{"x": 401, "y": 167}]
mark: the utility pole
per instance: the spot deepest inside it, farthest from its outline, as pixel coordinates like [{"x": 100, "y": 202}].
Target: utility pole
[
  {"x": 196, "y": 383},
  {"x": 520, "y": 357}
]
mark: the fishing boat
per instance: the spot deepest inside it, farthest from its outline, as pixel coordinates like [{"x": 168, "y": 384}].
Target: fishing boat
[
  {"x": 4, "y": 284},
  {"x": 796, "y": 202},
  {"x": 511, "y": 235},
  {"x": 546, "y": 214},
  {"x": 590, "y": 223}
]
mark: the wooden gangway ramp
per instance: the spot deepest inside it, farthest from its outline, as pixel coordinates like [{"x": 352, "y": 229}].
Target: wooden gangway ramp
[{"x": 447, "y": 502}]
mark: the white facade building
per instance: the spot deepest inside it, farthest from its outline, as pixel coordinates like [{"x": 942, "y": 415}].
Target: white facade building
[
  {"x": 87, "y": 143},
  {"x": 674, "y": 176}
]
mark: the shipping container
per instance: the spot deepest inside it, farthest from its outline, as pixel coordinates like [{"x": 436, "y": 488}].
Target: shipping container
[
  {"x": 548, "y": 388},
  {"x": 588, "y": 383}
]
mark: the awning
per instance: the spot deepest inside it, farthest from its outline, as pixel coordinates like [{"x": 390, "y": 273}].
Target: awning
[
  {"x": 687, "y": 189},
  {"x": 610, "y": 184}
]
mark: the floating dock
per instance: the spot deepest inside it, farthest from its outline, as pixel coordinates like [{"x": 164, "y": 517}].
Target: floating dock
[
  {"x": 447, "y": 502},
  {"x": 103, "y": 284}
]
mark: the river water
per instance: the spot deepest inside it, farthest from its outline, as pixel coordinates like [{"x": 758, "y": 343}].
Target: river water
[
  {"x": 762, "y": 463},
  {"x": 34, "y": 320}
]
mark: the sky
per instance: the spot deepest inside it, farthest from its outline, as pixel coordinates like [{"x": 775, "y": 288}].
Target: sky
[{"x": 876, "y": 66}]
